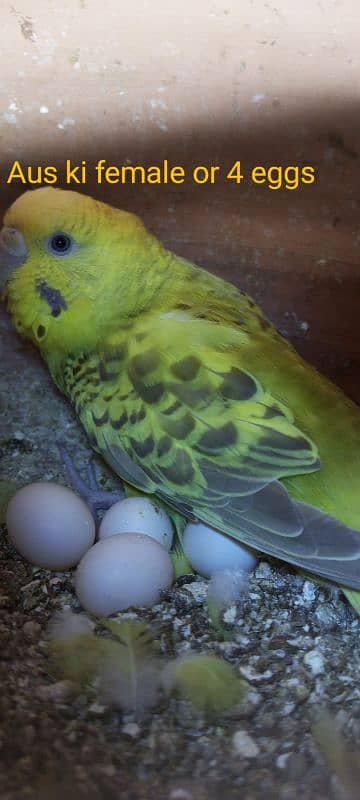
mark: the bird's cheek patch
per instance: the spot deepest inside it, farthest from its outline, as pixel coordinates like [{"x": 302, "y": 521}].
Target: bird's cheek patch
[{"x": 52, "y": 297}]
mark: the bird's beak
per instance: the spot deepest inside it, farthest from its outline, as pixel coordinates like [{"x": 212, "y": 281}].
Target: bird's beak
[{"x": 13, "y": 252}]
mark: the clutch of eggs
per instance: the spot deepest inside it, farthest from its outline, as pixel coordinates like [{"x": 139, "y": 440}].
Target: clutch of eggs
[{"x": 52, "y": 527}]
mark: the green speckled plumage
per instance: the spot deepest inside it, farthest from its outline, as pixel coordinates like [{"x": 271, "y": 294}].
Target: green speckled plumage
[
  {"x": 187, "y": 390},
  {"x": 173, "y": 413}
]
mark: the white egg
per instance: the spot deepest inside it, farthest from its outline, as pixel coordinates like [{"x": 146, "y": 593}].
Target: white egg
[
  {"x": 138, "y": 514},
  {"x": 50, "y": 525},
  {"x": 210, "y": 551},
  {"x": 122, "y": 571}
]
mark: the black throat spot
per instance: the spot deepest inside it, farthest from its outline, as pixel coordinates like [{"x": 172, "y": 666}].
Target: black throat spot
[{"x": 52, "y": 296}]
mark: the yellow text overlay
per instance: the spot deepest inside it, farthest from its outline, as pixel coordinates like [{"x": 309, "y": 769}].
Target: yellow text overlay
[{"x": 275, "y": 176}]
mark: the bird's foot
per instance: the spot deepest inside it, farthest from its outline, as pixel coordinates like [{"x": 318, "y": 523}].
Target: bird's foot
[{"x": 95, "y": 497}]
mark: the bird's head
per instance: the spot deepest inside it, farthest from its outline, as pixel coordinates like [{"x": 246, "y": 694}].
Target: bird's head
[{"x": 72, "y": 265}]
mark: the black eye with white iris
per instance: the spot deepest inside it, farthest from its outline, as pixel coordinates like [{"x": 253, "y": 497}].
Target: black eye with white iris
[{"x": 60, "y": 244}]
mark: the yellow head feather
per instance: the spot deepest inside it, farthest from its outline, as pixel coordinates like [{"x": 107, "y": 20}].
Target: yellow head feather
[{"x": 106, "y": 264}]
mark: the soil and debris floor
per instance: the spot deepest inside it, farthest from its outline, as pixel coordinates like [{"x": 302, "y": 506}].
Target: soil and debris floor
[{"x": 294, "y": 641}]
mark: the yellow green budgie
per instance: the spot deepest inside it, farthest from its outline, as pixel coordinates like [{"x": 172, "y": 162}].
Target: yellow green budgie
[{"x": 182, "y": 384}]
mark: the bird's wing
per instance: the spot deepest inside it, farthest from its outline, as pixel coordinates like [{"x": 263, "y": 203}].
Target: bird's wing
[{"x": 185, "y": 418}]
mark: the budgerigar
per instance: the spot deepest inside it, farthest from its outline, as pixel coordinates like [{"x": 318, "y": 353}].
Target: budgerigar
[{"x": 184, "y": 386}]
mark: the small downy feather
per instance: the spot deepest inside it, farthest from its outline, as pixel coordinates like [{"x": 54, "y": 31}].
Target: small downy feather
[
  {"x": 124, "y": 667},
  {"x": 225, "y": 589},
  {"x": 341, "y": 758},
  {"x": 208, "y": 682},
  {"x": 75, "y": 651},
  {"x": 65, "y": 624},
  {"x": 127, "y": 671},
  {"x": 130, "y": 675}
]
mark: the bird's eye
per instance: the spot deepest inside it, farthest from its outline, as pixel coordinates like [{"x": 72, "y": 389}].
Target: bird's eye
[{"x": 60, "y": 244}]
